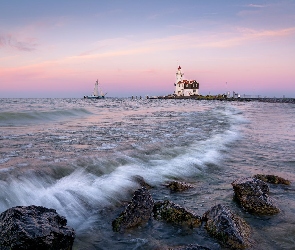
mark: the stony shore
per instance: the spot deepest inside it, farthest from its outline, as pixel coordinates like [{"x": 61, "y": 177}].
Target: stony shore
[
  {"x": 35, "y": 227},
  {"x": 252, "y": 194}
]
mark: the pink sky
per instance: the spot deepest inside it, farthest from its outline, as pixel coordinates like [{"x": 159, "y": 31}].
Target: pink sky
[{"x": 133, "y": 48}]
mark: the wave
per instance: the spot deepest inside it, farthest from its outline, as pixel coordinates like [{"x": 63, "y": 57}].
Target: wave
[
  {"x": 98, "y": 182},
  {"x": 29, "y": 117},
  {"x": 198, "y": 140}
]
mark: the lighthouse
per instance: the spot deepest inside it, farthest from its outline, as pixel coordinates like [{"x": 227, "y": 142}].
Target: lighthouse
[
  {"x": 178, "y": 84},
  {"x": 185, "y": 87}
]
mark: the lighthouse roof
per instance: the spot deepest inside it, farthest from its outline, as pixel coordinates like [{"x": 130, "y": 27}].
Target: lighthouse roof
[{"x": 179, "y": 67}]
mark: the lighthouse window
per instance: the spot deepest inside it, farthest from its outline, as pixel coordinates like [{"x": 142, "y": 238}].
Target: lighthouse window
[{"x": 187, "y": 85}]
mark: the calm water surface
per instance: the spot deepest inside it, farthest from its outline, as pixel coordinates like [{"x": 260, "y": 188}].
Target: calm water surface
[{"x": 80, "y": 157}]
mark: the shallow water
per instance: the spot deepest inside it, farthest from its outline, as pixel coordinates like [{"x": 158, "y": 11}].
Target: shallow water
[{"x": 80, "y": 156}]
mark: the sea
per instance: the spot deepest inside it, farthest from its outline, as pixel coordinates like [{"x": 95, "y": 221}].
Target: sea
[{"x": 83, "y": 158}]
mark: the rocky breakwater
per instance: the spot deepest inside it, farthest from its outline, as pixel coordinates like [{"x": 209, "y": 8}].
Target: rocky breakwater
[
  {"x": 253, "y": 195},
  {"x": 34, "y": 227}
]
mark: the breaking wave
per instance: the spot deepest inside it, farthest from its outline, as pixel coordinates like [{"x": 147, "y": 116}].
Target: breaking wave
[{"x": 95, "y": 182}]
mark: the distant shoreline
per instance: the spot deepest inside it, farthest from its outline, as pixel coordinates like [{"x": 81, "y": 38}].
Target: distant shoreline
[{"x": 240, "y": 99}]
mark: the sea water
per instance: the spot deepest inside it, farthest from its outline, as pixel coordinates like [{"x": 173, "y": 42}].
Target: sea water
[{"x": 81, "y": 157}]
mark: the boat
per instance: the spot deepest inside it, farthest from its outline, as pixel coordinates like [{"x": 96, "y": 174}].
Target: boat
[{"x": 95, "y": 94}]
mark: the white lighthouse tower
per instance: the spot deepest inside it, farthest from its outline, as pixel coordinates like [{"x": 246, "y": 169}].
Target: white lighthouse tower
[{"x": 179, "y": 83}]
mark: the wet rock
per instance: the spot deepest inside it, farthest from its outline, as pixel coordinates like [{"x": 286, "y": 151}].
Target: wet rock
[
  {"x": 231, "y": 230},
  {"x": 140, "y": 180},
  {"x": 253, "y": 196},
  {"x": 190, "y": 247},
  {"x": 274, "y": 179},
  {"x": 136, "y": 212},
  {"x": 175, "y": 214},
  {"x": 34, "y": 227},
  {"x": 176, "y": 186}
]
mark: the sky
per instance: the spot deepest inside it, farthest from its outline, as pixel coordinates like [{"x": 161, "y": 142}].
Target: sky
[{"x": 59, "y": 48}]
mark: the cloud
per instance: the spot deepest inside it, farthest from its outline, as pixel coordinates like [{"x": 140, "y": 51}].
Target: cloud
[
  {"x": 253, "y": 34},
  {"x": 255, "y": 10},
  {"x": 119, "y": 47},
  {"x": 103, "y": 45},
  {"x": 8, "y": 40},
  {"x": 255, "y": 6},
  {"x": 245, "y": 35},
  {"x": 129, "y": 48}
]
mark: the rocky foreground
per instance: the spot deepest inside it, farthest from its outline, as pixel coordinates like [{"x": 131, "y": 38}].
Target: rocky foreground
[
  {"x": 35, "y": 227},
  {"x": 232, "y": 231}
]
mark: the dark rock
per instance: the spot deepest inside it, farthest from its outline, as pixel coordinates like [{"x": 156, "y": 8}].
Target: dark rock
[
  {"x": 231, "y": 230},
  {"x": 253, "y": 196},
  {"x": 34, "y": 227},
  {"x": 190, "y": 247},
  {"x": 175, "y": 214},
  {"x": 137, "y": 211},
  {"x": 176, "y": 186},
  {"x": 272, "y": 179},
  {"x": 140, "y": 180}
]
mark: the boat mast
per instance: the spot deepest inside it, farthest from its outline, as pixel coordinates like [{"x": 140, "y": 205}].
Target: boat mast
[{"x": 95, "y": 91}]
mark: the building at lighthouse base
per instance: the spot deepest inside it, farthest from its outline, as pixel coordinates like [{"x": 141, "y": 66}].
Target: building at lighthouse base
[{"x": 185, "y": 87}]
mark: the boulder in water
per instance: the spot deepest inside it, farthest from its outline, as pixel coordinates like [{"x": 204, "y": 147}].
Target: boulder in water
[
  {"x": 190, "y": 247},
  {"x": 231, "y": 230},
  {"x": 274, "y": 179},
  {"x": 136, "y": 212},
  {"x": 34, "y": 227},
  {"x": 253, "y": 196},
  {"x": 176, "y": 186},
  {"x": 141, "y": 181},
  {"x": 175, "y": 214}
]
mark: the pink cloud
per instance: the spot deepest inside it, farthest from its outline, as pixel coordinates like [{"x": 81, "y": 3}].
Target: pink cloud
[
  {"x": 252, "y": 33},
  {"x": 14, "y": 42},
  {"x": 228, "y": 37}
]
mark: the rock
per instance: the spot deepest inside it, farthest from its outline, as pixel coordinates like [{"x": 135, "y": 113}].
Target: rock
[
  {"x": 175, "y": 214},
  {"x": 140, "y": 180},
  {"x": 176, "y": 186},
  {"x": 136, "y": 212},
  {"x": 272, "y": 179},
  {"x": 231, "y": 230},
  {"x": 190, "y": 247},
  {"x": 253, "y": 196},
  {"x": 34, "y": 227}
]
